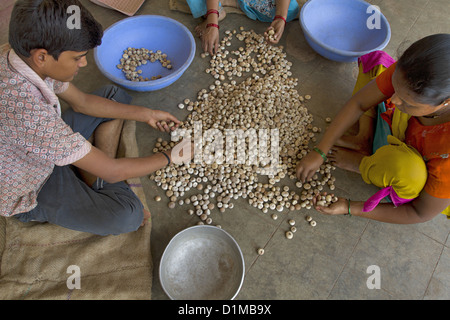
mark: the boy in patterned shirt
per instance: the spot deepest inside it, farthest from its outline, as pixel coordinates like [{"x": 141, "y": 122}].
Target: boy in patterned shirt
[{"x": 58, "y": 168}]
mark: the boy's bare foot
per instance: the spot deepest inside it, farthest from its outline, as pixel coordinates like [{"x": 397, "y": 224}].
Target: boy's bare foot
[
  {"x": 346, "y": 159},
  {"x": 355, "y": 143},
  {"x": 201, "y": 27},
  {"x": 147, "y": 215}
]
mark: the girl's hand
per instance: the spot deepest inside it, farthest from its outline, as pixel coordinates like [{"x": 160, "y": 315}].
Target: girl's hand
[
  {"x": 160, "y": 120},
  {"x": 308, "y": 166},
  {"x": 335, "y": 208},
  {"x": 278, "y": 27},
  {"x": 210, "y": 40}
]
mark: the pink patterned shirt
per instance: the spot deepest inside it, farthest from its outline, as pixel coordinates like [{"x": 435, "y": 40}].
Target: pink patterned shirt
[{"x": 33, "y": 137}]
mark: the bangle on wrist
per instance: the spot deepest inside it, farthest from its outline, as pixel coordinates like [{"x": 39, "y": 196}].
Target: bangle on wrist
[
  {"x": 279, "y": 17},
  {"x": 349, "y": 210},
  {"x": 210, "y": 11},
  {"x": 168, "y": 158},
  {"x": 322, "y": 154},
  {"x": 212, "y": 25}
]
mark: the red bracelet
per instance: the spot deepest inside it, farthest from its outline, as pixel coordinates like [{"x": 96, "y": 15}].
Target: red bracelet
[
  {"x": 211, "y": 11},
  {"x": 212, "y": 25},
  {"x": 280, "y": 17}
]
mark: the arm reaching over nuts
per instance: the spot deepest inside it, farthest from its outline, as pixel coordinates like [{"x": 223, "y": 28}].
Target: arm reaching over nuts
[
  {"x": 366, "y": 98},
  {"x": 274, "y": 33},
  {"x": 210, "y": 39},
  {"x": 330, "y": 204},
  {"x": 114, "y": 170},
  {"x": 208, "y": 30},
  {"x": 162, "y": 121},
  {"x": 100, "y": 107}
]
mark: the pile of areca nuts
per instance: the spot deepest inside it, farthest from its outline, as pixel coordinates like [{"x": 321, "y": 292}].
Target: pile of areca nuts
[
  {"x": 253, "y": 89},
  {"x": 133, "y": 58}
]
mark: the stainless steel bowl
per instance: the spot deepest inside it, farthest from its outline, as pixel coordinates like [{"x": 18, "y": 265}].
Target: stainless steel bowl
[{"x": 202, "y": 263}]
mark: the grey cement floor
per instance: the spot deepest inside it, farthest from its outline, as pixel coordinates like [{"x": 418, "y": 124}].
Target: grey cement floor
[{"x": 331, "y": 260}]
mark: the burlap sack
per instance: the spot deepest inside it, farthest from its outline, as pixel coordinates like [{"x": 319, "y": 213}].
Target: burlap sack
[{"x": 41, "y": 261}]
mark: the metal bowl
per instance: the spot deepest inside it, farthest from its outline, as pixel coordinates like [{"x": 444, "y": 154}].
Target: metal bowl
[{"x": 202, "y": 263}]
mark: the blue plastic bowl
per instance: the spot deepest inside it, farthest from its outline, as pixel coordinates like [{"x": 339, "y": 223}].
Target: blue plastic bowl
[
  {"x": 153, "y": 33},
  {"x": 338, "y": 29}
]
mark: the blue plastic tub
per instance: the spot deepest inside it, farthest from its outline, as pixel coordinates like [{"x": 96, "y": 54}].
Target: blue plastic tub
[
  {"x": 153, "y": 33},
  {"x": 338, "y": 29}
]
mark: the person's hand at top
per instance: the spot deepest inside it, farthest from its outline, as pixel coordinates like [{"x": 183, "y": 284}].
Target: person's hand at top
[
  {"x": 208, "y": 30},
  {"x": 210, "y": 39},
  {"x": 274, "y": 33}
]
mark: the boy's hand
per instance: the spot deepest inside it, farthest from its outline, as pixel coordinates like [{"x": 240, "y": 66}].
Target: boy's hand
[{"x": 161, "y": 120}]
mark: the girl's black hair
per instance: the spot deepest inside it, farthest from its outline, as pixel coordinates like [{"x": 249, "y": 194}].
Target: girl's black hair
[
  {"x": 426, "y": 68},
  {"x": 43, "y": 24}
]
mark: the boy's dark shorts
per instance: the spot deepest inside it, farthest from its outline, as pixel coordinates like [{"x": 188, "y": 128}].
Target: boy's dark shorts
[{"x": 65, "y": 200}]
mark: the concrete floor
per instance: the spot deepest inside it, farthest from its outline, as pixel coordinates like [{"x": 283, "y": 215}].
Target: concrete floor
[{"x": 331, "y": 260}]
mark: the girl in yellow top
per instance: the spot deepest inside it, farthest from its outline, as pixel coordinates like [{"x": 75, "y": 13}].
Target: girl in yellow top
[{"x": 418, "y": 87}]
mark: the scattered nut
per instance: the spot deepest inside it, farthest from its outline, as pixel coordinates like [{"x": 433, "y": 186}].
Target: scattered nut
[
  {"x": 261, "y": 251},
  {"x": 312, "y": 223},
  {"x": 289, "y": 235},
  {"x": 271, "y": 34}
]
